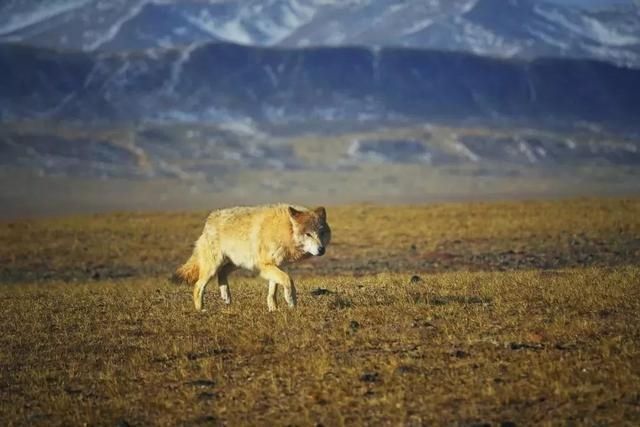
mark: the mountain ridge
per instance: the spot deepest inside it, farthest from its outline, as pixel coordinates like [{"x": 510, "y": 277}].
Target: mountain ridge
[
  {"x": 484, "y": 27},
  {"x": 220, "y": 81}
]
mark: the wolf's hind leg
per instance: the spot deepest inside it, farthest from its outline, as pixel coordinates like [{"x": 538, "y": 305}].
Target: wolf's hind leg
[
  {"x": 223, "y": 282},
  {"x": 208, "y": 269},
  {"x": 198, "y": 289},
  {"x": 271, "y": 296}
]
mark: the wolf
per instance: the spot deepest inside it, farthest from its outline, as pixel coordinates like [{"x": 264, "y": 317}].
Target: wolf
[{"x": 261, "y": 238}]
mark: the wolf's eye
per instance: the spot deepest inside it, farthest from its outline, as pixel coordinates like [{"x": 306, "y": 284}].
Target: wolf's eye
[{"x": 307, "y": 234}]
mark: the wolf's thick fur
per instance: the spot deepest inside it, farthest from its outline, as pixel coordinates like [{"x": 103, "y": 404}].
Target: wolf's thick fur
[{"x": 258, "y": 238}]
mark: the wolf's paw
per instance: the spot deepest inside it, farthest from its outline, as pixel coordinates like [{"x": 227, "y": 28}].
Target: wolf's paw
[{"x": 291, "y": 299}]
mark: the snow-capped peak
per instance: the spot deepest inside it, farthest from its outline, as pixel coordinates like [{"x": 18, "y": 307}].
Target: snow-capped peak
[{"x": 598, "y": 29}]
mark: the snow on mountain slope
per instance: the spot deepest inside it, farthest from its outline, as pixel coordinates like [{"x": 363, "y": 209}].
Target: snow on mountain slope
[
  {"x": 132, "y": 24},
  {"x": 596, "y": 29},
  {"x": 254, "y": 22},
  {"x": 17, "y": 15}
]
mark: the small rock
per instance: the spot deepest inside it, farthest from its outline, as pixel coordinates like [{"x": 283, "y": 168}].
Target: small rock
[
  {"x": 354, "y": 326},
  {"x": 525, "y": 346},
  {"x": 321, "y": 291},
  {"x": 415, "y": 279},
  {"x": 507, "y": 424},
  {"x": 460, "y": 354},
  {"x": 122, "y": 423},
  {"x": 370, "y": 377}
]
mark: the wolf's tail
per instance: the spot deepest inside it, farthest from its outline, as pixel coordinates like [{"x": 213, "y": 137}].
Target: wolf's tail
[{"x": 188, "y": 272}]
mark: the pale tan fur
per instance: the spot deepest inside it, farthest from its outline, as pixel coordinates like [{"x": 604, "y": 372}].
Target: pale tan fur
[{"x": 261, "y": 238}]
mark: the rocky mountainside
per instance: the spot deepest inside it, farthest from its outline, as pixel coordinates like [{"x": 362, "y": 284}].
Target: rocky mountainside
[{"x": 222, "y": 82}]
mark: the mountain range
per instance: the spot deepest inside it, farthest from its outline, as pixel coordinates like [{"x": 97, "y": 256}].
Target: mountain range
[
  {"x": 286, "y": 98},
  {"x": 221, "y": 82},
  {"x": 603, "y": 30},
  {"x": 289, "y": 61}
]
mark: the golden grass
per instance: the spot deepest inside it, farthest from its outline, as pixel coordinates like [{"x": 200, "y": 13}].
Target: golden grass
[
  {"x": 366, "y": 238},
  {"x": 466, "y": 344}
]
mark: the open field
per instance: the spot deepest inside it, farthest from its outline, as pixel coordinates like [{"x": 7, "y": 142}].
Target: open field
[{"x": 523, "y": 313}]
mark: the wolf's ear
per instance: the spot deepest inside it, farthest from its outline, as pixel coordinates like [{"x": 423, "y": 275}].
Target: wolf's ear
[
  {"x": 294, "y": 213},
  {"x": 321, "y": 212}
]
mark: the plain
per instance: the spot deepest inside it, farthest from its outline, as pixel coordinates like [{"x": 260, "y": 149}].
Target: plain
[{"x": 456, "y": 314}]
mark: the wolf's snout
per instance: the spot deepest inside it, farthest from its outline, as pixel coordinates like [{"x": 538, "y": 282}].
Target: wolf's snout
[{"x": 321, "y": 251}]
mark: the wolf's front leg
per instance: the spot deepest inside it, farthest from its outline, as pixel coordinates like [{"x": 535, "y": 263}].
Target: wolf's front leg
[
  {"x": 273, "y": 273},
  {"x": 290, "y": 294},
  {"x": 223, "y": 283},
  {"x": 271, "y": 296},
  {"x": 225, "y": 294}
]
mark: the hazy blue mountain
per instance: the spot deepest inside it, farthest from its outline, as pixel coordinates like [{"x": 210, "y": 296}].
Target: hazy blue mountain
[{"x": 217, "y": 82}]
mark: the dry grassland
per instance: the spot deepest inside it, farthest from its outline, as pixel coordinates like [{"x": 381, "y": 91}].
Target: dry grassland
[{"x": 521, "y": 313}]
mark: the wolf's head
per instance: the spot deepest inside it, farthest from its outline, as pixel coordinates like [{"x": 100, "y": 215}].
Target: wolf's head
[{"x": 310, "y": 230}]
